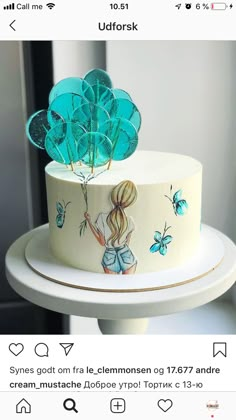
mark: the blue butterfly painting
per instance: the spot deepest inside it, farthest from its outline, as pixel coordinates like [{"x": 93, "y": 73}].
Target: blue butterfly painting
[
  {"x": 61, "y": 210},
  {"x": 161, "y": 241},
  {"x": 180, "y": 205}
]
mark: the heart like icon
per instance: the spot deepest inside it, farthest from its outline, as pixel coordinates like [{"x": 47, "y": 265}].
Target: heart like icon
[
  {"x": 16, "y": 349},
  {"x": 165, "y": 405}
]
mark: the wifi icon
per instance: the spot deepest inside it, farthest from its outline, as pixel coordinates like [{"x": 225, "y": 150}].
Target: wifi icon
[{"x": 50, "y": 5}]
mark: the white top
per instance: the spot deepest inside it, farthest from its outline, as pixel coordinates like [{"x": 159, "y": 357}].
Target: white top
[
  {"x": 143, "y": 167},
  {"x": 103, "y": 227}
]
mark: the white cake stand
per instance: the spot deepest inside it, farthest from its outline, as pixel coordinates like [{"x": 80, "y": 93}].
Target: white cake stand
[{"x": 117, "y": 313}]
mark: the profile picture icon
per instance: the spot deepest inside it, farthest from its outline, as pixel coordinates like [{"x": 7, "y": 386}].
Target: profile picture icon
[{"x": 212, "y": 406}]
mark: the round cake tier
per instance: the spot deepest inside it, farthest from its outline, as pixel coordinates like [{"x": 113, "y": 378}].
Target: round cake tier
[{"x": 140, "y": 216}]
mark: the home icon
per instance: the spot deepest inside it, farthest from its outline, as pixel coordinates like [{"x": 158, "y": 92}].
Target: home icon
[{"x": 23, "y": 407}]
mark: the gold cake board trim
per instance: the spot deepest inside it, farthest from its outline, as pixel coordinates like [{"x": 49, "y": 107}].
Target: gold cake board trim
[{"x": 147, "y": 289}]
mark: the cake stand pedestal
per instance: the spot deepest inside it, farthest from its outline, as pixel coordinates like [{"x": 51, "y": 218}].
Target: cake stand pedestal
[{"x": 117, "y": 313}]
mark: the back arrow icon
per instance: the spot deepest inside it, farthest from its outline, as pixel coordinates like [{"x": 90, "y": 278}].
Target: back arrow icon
[{"x": 12, "y": 24}]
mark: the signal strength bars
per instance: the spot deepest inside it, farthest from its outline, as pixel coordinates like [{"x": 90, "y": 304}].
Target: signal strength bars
[{"x": 10, "y": 6}]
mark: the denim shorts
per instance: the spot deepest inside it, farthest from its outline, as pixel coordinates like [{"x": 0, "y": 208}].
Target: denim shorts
[{"x": 118, "y": 259}]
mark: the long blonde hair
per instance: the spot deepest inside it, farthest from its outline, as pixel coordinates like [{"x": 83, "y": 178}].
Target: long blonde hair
[{"x": 123, "y": 195}]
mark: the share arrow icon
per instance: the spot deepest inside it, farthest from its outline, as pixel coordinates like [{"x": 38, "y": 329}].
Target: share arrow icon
[{"x": 67, "y": 347}]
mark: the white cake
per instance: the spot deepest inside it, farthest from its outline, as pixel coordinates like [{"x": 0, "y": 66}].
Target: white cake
[{"x": 142, "y": 215}]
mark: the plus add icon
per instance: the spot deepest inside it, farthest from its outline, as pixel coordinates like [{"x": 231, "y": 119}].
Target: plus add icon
[{"x": 117, "y": 405}]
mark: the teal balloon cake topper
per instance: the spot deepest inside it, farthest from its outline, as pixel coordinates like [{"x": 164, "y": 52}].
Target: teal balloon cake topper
[
  {"x": 87, "y": 121},
  {"x": 123, "y": 136},
  {"x": 99, "y": 148},
  {"x": 102, "y": 94},
  {"x": 98, "y": 76},
  {"x": 63, "y": 143},
  {"x": 90, "y": 116},
  {"x": 39, "y": 124},
  {"x": 66, "y": 104},
  {"x": 123, "y": 108},
  {"x": 121, "y": 94},
  {"x": 72, "y": 85}
]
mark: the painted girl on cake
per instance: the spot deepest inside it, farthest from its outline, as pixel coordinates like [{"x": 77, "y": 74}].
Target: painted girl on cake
[{"x": 114, "y": 229}]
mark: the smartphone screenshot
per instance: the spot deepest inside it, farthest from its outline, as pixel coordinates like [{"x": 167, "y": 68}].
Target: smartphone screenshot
[{"x": 118, "y": 203}]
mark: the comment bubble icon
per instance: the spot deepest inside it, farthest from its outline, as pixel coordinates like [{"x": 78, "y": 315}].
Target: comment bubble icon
[{"x": 41, "y": 350}]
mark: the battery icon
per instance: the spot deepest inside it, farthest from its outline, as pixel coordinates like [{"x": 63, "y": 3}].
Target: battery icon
[{"x": 218, "y": 6}]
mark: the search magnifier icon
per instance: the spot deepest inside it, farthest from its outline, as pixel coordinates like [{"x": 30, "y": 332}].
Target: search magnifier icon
[{"x": 70, "y": 405}]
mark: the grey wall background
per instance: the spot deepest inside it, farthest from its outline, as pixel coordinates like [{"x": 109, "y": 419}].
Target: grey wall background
[
  {"x": 14, "y": 210},
  {"x": 19, "y": 177},
  {"x": 186, "y": 91}
]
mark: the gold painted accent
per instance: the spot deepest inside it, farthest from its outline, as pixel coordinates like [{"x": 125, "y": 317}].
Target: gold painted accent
[
  {"x": 147, "y": 289},
  {"x": 109, "y": 164}
]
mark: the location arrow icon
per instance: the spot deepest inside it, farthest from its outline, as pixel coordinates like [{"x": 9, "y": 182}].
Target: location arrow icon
[{"x": 67, "y": 347}]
